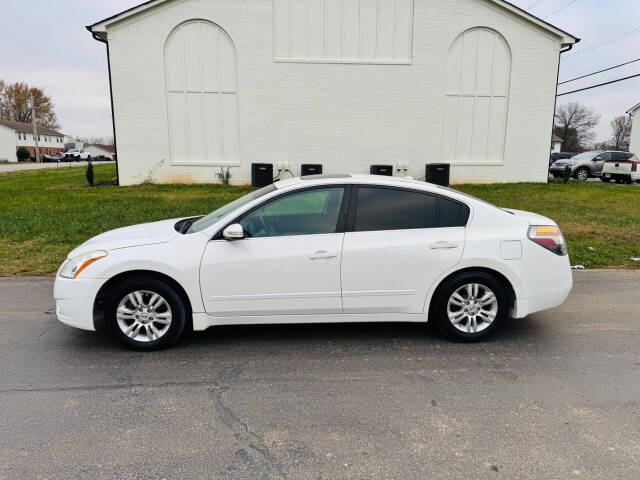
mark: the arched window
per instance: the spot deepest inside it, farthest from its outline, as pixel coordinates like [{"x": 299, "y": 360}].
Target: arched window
[
  {"x": 477, "y": 97},
  {"x": 202, "y": 94}
]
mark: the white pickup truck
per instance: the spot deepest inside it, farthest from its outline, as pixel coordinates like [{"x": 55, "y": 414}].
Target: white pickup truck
[
  {"x": 76, "y": 154},
  {"x": 622, "y": 168}
]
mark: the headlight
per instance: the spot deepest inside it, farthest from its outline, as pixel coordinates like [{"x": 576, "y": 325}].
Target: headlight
[{"x": 73, "y": 266}]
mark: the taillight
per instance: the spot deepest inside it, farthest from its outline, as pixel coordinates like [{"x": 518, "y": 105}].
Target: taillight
[
  {"x": 634, "y": 166},
  {"x": 549, "y": 237}
]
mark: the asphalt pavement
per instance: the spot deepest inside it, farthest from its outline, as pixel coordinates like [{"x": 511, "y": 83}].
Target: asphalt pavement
[
  {"x": 552, "y": 396},
  {"x": 19, "y": 167}
]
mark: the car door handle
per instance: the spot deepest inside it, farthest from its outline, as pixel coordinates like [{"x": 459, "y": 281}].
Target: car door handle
[
  {"x": 322, "y": 254},
  {"x": 443, "y": 245}
]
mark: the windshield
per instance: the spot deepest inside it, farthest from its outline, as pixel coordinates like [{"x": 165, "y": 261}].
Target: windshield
[
  {"x": 584, "y": 156},
  {"x": 225, "y": 210}
]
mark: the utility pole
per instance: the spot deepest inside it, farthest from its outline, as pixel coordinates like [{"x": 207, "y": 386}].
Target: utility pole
[{"x": 35, "y": 128}]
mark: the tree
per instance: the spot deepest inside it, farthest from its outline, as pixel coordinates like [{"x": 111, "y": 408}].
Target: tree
[
  {"x": 574, "y": 123},
  {"x": 620, "y": 132},
  {"x": 14, "y": 104},
  {"x": 23, "y": 154}
]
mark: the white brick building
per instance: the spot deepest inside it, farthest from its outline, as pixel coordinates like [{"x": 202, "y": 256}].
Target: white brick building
[
  {"x": 199, "y": 84},
  {"x": 634, "y": 143}
]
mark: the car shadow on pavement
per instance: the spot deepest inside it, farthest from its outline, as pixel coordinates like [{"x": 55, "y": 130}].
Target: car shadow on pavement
[{"x": 346, "y": 335}]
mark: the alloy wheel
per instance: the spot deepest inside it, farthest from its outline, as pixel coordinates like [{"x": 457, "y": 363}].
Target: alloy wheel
[
  {"x": 144, "y": 316},
  {"x": 472, "y": 307}
]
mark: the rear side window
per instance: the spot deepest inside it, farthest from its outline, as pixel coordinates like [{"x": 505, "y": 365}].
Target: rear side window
[
  {"x": 394, "y": 209},
  {"x": 618, "y": 156}
]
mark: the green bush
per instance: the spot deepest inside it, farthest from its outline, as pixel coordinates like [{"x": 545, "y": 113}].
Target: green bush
[{"x": 23, "y": 154}]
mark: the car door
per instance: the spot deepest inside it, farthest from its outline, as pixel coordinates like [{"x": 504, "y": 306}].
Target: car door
[
  {"x": 397, "y": 244},
  {"x": 288, "y": 263},
  {"x": 598, "y": 162}
]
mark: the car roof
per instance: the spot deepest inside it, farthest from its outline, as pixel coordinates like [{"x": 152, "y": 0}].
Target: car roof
[
  {"x": 348, "y": 178},
  {"x": 382, "y": 180}
]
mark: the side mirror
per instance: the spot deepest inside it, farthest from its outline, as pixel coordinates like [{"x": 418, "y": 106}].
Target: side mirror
[{"x": 233, "y": 232}]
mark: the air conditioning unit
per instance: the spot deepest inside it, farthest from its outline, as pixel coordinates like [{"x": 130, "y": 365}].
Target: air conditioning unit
[
  {"x": 261, "y": 174},
  {"x": 437, "y": 173},
  {"x": 310, "y": 169},
  {"x": 381, "y": 170}
]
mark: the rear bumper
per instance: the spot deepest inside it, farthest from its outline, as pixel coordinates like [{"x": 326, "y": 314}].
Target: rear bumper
[
  {"x": 546, "y": 281},
  {"x": 74, "y": 300}
]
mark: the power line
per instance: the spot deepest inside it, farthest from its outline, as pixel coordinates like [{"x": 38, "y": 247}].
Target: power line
[
  {"x": 603, "y": 43},
  {"x": 561, "y": 8},
  {"x": 532, "y": 4},
  {"x": 599, "y": 71},
  {"x": 598, "y": 85}
]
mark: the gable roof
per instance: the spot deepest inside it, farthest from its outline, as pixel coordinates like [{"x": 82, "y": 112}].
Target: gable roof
[
  {"x": 102, "y": 146},
  {"x": 567, "y": 39},
  {"x": 28, "y": 128},
  {"x": 632, "y": 110}
]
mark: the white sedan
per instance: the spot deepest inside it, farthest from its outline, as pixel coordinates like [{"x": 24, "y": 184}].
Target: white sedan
[{"x": 326, "y": 248}]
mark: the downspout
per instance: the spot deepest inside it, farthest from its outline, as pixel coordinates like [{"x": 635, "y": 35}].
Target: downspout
[
  {"x": 113, "y": 116},
  {"x": 563, "y": 48}
]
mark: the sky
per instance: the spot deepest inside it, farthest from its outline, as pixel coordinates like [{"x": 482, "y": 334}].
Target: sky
[{"x": 46, "y": 44}]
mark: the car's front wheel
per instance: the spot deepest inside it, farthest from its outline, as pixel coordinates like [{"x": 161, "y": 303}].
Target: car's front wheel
[
  {"x": 469, "y": 306},
  {"x": 583, "y": 173},
  {"x": 146, "y": 313}
]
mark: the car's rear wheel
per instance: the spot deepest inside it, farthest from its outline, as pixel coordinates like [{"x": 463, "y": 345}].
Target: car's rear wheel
[
  {"x": 469, "y": 306},
  {"x": 583, "y": 173},
  {"x": 145, "y": 313}
]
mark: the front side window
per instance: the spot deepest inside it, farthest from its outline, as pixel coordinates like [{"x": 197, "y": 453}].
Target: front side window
[
  {"x": 603, "y": 157},
  {"x": 393, "y": 209},
  {"x": 309, "y": 212}
]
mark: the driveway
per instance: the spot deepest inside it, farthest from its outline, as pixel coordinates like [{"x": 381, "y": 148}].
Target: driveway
[
  {"x": 18, "y": 167},
  {"x": 555, "y": 395}
]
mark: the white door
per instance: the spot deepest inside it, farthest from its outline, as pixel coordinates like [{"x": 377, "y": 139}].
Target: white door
[
  {"x": 396, "y": 246},
  {"x": 288, "y": 262}
]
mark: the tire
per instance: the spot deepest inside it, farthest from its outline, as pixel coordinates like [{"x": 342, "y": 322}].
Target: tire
[
  {"x": 128, "y": 309},
  {"x": 582, "y": 173},
  {"x": 442, "y": 311},
  {"x": 88, "y": 158}
]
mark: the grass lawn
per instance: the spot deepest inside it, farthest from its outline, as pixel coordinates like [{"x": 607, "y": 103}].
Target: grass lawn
[{"x": 46, "y": 213}]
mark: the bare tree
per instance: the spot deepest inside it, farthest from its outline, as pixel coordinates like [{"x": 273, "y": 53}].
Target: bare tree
[
  {"x": 620, "y": 132},
  {"x": 14, "y": 104},
  {"x": 574, "y": 123}
]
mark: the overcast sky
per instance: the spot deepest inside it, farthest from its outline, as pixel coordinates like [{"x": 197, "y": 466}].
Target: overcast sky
[{"x": 45, "y": 43}]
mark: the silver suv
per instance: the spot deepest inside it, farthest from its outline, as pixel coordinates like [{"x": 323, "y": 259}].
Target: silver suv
[{"x": 583, "y": 165}]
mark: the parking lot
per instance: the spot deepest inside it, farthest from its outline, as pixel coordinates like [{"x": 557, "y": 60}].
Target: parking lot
[{"x": 555, "y": 395}]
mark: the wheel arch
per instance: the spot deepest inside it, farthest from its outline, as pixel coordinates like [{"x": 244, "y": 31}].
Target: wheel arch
[
  {"x": 499, "y": 276},
  {"x": 104, "y": 291}
]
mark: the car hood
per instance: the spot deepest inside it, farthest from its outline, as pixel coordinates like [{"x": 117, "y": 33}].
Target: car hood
[
  {"x": 532, "y": 218},
  {"x": 133, "y": 236}
]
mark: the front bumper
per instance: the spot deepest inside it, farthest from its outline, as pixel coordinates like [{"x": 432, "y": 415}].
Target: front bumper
[
  {"x": 559, "y": 171},
  {"x": 74, "y": 300}
]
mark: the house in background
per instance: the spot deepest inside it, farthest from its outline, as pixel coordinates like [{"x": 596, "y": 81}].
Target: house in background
[
  {"x": 15, "y": 135},
  {"x": 556, "y": 144},
  {"x": 202, "y": 84},
  {"x": 634, "y": 143},
  {"x": 100, "y": 150}
]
